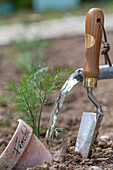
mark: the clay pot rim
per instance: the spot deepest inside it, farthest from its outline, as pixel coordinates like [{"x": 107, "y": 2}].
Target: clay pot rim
[
  {"x": 11, "y": 162},
  {"x": 22, "y": 141}
]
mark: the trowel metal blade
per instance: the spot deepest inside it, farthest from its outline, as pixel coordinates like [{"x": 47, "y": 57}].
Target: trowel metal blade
[{"x": 88, "y": 130}]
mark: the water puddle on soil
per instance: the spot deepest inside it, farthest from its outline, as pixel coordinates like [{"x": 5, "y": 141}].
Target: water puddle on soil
[{"x": 72, "y": 81}]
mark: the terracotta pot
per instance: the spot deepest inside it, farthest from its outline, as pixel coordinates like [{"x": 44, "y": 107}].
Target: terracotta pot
[{"x": 24, "y": 150}]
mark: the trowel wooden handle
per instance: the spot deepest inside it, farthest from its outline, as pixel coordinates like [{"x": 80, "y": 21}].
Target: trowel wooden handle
[{"x": 93, "y": 36}]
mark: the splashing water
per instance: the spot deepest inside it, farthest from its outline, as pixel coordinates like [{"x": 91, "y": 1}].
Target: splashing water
[{"x": 75, "y": 78}]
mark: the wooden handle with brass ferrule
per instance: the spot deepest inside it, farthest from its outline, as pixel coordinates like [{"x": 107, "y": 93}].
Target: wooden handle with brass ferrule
[{"x": 93, "y": 36}]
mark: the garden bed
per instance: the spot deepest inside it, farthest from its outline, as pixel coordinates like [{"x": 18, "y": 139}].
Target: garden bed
[{"x": 65, "y": 52}]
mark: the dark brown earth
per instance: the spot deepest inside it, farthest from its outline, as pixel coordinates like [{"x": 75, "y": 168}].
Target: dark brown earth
[{"x": 67, "y": 52}]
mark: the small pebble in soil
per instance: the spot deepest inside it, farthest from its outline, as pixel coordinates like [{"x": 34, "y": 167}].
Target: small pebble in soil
[
  {"x": 104, "y": 138},
  {"x": 98, "y": 149},
  {"x": 62, "y": 167},
  {"x": 95, "y": 168},
  {"x": 72, "y": 148},
  {"x": 105, "y": 143},
  {"x": 86, "y": 160},
  {"x": 89, "y": 163},
  {"x": 82, "y": 163},
  {"x": 78, "y": 158},
  {"x": 102, "y": 144},
  {"x": 56, "y": 166},
  {"x": 95, "y": 155}
]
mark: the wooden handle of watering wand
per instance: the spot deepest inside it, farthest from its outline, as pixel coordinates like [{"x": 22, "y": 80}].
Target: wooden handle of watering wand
[{"x": 93, "y": 36}]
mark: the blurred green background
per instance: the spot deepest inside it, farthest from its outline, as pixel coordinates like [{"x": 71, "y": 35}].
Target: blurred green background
[{"x": 19, "y": 11}]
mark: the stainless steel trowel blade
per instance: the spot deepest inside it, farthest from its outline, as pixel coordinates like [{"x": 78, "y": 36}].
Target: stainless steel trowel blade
[{"x": 88, "y": 130}]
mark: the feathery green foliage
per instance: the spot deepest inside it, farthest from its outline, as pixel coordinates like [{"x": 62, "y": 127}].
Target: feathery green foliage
[
  {"x": 31, "y": 91},
  {"x": 57, "y": 133}
]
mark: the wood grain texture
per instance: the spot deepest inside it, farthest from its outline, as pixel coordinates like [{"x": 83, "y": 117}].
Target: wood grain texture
[{"x": 91, "y": 65}]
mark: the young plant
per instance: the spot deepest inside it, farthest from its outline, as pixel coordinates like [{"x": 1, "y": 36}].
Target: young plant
[
  {"x": 31, "y": 91},
  {"x": 56, "y": 134}
]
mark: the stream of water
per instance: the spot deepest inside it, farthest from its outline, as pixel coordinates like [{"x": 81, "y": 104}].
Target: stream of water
[{"x": 73, "y": 80}]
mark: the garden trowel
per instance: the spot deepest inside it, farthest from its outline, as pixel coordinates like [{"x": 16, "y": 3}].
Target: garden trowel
[{"x": 90, "y": 122}]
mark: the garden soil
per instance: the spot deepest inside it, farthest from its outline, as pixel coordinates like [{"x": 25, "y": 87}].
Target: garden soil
[{"x": 66, "y": 52}]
